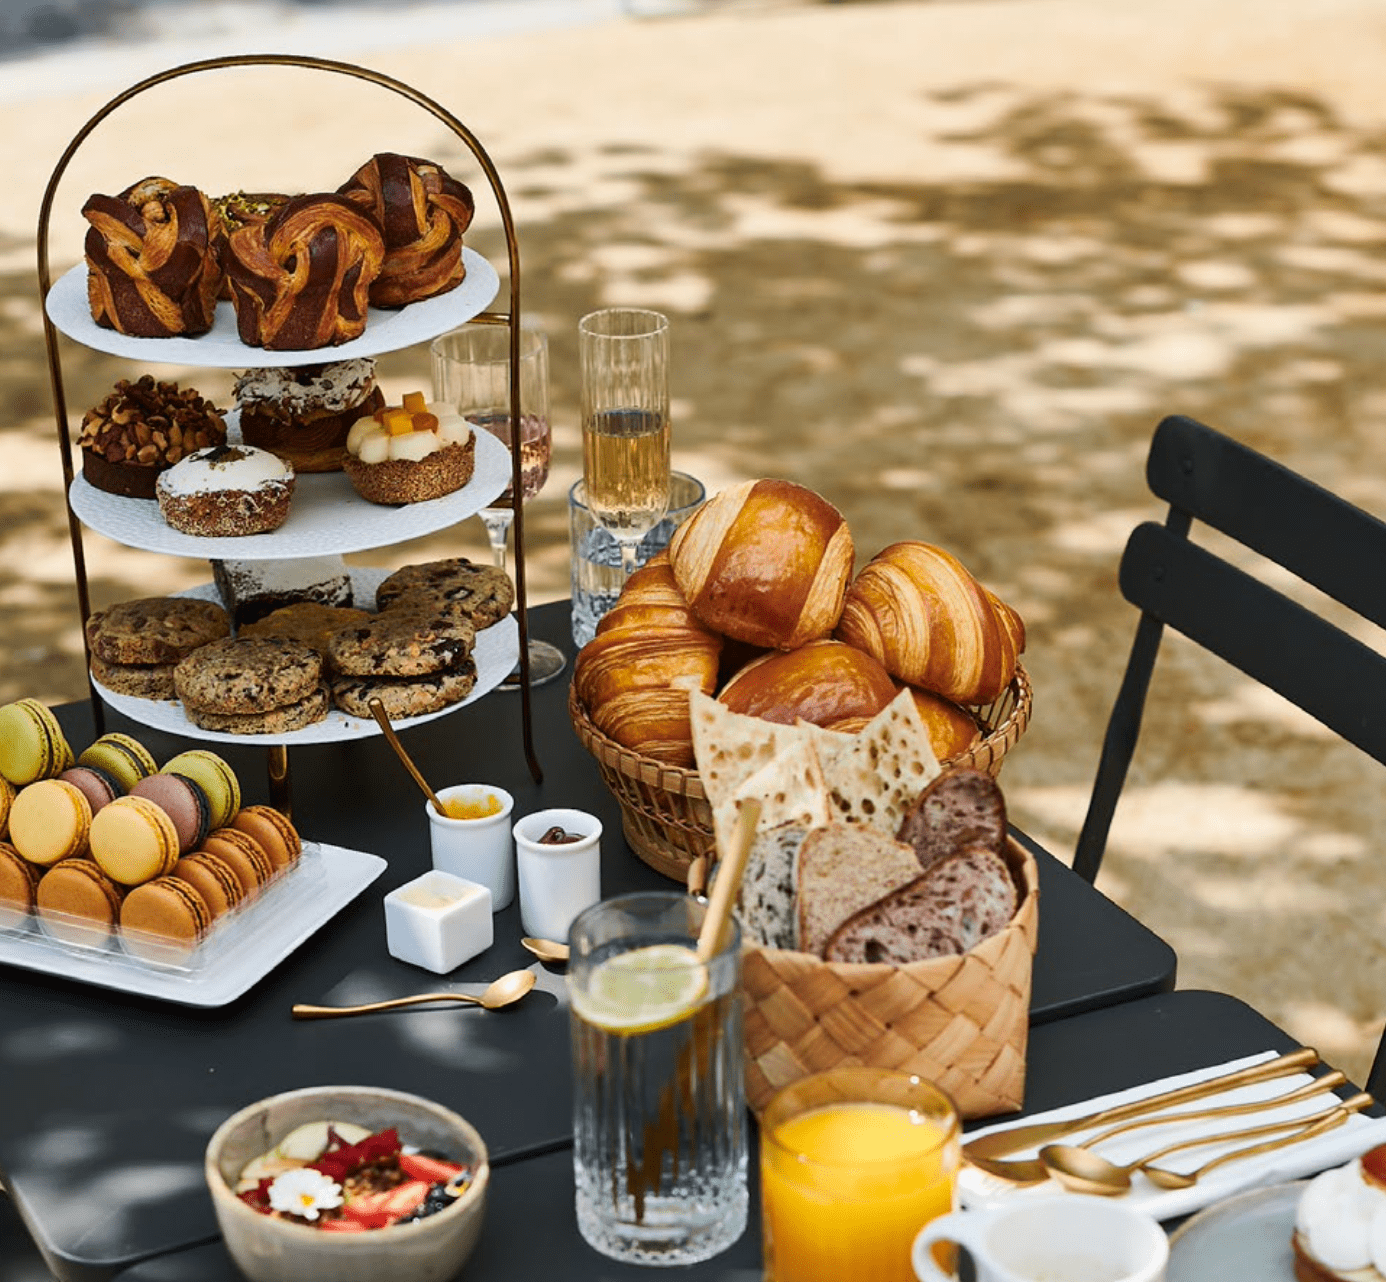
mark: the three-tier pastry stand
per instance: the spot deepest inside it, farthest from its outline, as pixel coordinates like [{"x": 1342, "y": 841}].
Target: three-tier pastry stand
[{"x": 278, "y": 758}]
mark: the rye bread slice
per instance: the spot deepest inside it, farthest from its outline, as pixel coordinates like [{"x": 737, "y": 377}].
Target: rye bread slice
[
  {"x": 961, "y": 900},
  {"x": 843, "y": 868},
  {"x": 765, "y": 907},
  {"x": 960, "y": 808}
]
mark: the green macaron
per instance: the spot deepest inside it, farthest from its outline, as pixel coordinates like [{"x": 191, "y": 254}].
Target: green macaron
[
  {"x": 32, "y": 743},
  {"x": 122, "y": 756},
  {"x": 214, "y": 776}
]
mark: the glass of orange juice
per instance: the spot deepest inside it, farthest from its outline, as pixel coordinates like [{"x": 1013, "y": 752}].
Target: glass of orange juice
[{"x": 853, "y": 1163}]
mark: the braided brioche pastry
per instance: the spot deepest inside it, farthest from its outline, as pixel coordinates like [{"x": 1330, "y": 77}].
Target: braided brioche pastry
[
  {"x": 300, "y": 280},
  {"x": 765, "y": 562},
  {"x": 152, "y": 269},
  {"x": 423, "y": 211},
  {"x": 916, "y": 609}
]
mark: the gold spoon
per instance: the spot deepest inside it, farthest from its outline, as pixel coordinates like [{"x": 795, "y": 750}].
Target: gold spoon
[
  {"x": 1082, "y": 1171},
  {"x": 1175, "y": 1180},
  {"x": 509, "y": 988},
  {"x": 549, "y": 950},
  {"x": 383, "y": 721}
]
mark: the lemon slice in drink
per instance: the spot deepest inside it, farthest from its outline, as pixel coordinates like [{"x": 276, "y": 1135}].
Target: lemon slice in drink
[{"x": 642, "y": 990}]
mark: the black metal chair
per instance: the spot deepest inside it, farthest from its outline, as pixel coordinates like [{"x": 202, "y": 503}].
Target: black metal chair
[{"x": 1324, "y": 540}]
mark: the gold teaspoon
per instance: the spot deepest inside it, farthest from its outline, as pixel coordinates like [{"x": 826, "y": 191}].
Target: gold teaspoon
[
  {"x": 549, "y": 950},
  {"x": 505, "y": 991},
  {"x": 383, "y": 721}
]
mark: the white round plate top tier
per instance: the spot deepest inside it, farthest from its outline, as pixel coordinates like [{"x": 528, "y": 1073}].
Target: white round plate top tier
[
  {"x": 326, "y": 515},
  {"x": 387, "y": 329},
  {"x": 496, "y": 654}
]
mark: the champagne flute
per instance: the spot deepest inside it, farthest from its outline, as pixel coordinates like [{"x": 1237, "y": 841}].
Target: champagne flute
[
  {"x": 471, "y": 371},
  {"x": 624, "y": 356}
]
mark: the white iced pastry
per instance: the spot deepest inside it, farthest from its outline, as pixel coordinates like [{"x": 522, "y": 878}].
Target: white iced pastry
[
  {"x": 369, "y": 441},
  {"x": 224, "y": 467},
  {"x": 1341, "y": 1220}
]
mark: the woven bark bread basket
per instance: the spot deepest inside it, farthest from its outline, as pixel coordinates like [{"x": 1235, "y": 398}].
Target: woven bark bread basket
[{"x": 665, "y": 812}]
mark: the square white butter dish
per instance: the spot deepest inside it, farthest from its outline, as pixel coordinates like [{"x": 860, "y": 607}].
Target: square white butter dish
[{"x": 438, "y": 921}]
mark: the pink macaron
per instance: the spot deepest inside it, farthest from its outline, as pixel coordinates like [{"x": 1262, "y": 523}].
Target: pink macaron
[
  {"x": 98, "y": 786},
  {"x": 181, "y": 800}
]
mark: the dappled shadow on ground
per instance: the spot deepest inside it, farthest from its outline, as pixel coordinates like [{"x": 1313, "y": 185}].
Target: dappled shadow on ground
[{"x": 979, "y": 363}]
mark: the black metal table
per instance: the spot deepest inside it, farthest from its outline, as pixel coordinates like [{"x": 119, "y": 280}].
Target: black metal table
[{"x": 111, "y": 1097}]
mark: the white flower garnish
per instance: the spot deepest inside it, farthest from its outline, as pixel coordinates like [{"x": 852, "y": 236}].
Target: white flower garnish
[{"x": 304, "y": 1193}]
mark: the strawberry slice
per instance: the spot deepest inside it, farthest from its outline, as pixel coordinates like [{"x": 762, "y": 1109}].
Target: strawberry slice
[
  {"x": 342, "y": 1226},
  {"x": 418, "y": 1167},
  {"x": 368, "y": 1210},
  {"x": 405, "y": 1199}
]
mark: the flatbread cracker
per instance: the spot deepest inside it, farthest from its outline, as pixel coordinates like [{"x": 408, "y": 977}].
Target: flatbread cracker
[
  {"x": 729, "y": 747},
  {"x": 877, "y": 779}
]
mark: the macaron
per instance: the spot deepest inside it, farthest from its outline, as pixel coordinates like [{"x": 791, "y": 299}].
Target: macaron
[
  {"x": 96, "y": 785},
  {"x": 49, "y": 820},
  {"x": 7, "y": 796},
  {"x": 278, "y": 838},
  {"x": 215, "y": 777},
  {"x": 133, "y": 841},
  {"x": 32, "y": 743},
  {"x": 243, "y": 855},
  {"x": 18, "y": 881},
  {"x": 163, "y": 920},
  {"x": 78, "y": 903},
  {"x": 213, "y": 879},
  {"x": 121, "y": 755},
  {"x": 184, "y": 802}
]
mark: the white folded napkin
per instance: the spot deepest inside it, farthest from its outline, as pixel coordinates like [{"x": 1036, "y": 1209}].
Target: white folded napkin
[{"x": 1340, "y": 1145}]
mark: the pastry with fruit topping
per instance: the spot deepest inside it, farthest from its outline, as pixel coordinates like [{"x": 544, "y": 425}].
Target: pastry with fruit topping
[
  {"x": 423, "y": 211},
  {"x": 410, "y": 453},
  {"x": 1340, "y": 1225},
  {"x": 301, "y": 279},
  {"x": 140, "y": 429},
  {"x": 152, "y": 264},
  {"x": 303, "y": 413},
  {"x": 226, "y": 491}
]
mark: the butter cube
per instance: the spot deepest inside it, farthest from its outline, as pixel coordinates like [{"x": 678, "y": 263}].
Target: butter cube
[{"x": 438, "y": 921}]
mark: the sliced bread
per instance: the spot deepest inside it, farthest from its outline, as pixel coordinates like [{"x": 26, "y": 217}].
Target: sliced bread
[
  {"x": 950, "y": 908},
  {"x": 842, "y": 869},
  {"x": 765, "y": 907},
  {"x": 962, "y": 807}
]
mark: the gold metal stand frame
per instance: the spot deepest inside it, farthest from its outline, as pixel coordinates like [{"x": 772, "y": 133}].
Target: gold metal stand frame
[{"x": 278, "y": 763}]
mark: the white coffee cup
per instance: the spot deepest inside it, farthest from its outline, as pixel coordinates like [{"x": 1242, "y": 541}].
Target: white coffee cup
[
  {"x": 476, "y": 849},
  {"x": 557, "y": 879},
  {"x": 1059, "y": 1239}
]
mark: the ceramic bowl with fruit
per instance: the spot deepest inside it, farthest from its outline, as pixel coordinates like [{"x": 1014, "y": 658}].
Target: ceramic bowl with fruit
[{"x": 352, "y": 1183}]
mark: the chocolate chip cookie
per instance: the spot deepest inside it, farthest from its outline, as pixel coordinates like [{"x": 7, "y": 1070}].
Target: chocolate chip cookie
[
  {"x": 138, "y": 680},
  {"x": 481, "y": 593},
  {"x": 411, "y": 639},
  {"x": 271, "y": 721},
  {"x": 242, "y": 675},
  {"x": 160, "y": 629},
  {"x": 307, "y": 621},
  {"x": 405, "y": 698}
]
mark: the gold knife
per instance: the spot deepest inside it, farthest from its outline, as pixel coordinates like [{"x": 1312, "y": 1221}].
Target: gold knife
[{"x": 1012, "y": 1140}]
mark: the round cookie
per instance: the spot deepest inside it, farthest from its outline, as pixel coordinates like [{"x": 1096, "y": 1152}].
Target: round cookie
[
  {"x": 181, "y": 800},
  {"x": 409, "y": 640},
  {"x": 243, "y": 855},
  {"x": 276, "y": 836},
  {"x": 272, "y": 721},
  {"x": 163, "y": 920},
  {"x": 98, "y": 786},
  {"x": 241, "y": 675},
  {"x": 161, "y": 629},
  {"x": 483, "y": 593},
  {"x": 214, "y": 776},
  {"x": 213, "y": 879},
  {"x": 401, "y": 699},
  {"x": 50, "y": 820},
  {"x": 123, "y": 756},
  {"x": 138, "y": 680},
  {"x": 77, "y": 903},
  {"x": 133, "y": 841},
  {"x": 32, "y": 743},
  {"x": 19, "y": 880}
]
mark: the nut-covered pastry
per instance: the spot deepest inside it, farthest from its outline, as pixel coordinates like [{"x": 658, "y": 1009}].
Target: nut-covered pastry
[
  {"x": 303, "y": 413},
  {"x": 423, "y": 211},
  {"x": 301, "y": 279},
  {"x": 226, "y": 491},
  {"x": 142, "y": 428},
  {"x": 152, "y": 264},
  {"x": 410, "y": 453}
]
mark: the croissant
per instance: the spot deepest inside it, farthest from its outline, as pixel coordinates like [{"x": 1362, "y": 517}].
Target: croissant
[
  {"x": 152, "y": 269},
  {"x": 423, "y": 211},
  {"x": 300, "y": 280},
  {"x": 917, "y": 609},
  {"x": 766, "y": 562},
  {"x": 825, "y": 682},
  {"x": 650, "y": 598}
]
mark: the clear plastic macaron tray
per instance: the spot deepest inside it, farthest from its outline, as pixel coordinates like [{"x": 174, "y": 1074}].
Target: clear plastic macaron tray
[{"x": 240, "y": 947}]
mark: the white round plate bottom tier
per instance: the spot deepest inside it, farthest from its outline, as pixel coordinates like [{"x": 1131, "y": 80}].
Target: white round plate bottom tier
[{"x": 496, "y": 654}]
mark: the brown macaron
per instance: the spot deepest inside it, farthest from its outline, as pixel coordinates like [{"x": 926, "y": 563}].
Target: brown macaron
[
  {"x": 278, "y": 838},
  {"x": 184, "y": 802},
  {"x": 243, "y": 855},
  {"x": 213, "y": 879},
  {"x": 163, "y": 920},
  {"x": 78, "y": 903},
  {"x": 18, "y": 881}
]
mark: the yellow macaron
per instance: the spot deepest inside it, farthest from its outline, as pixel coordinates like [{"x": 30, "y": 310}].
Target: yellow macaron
[
  {"x": 133, "y": 841},
  {"x": 32, "y": 743},
  {"x": 50, "y": 820}
]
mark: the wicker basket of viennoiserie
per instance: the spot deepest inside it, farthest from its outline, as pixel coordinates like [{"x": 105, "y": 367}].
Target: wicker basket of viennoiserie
[{"x": 755, "y": 603}]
